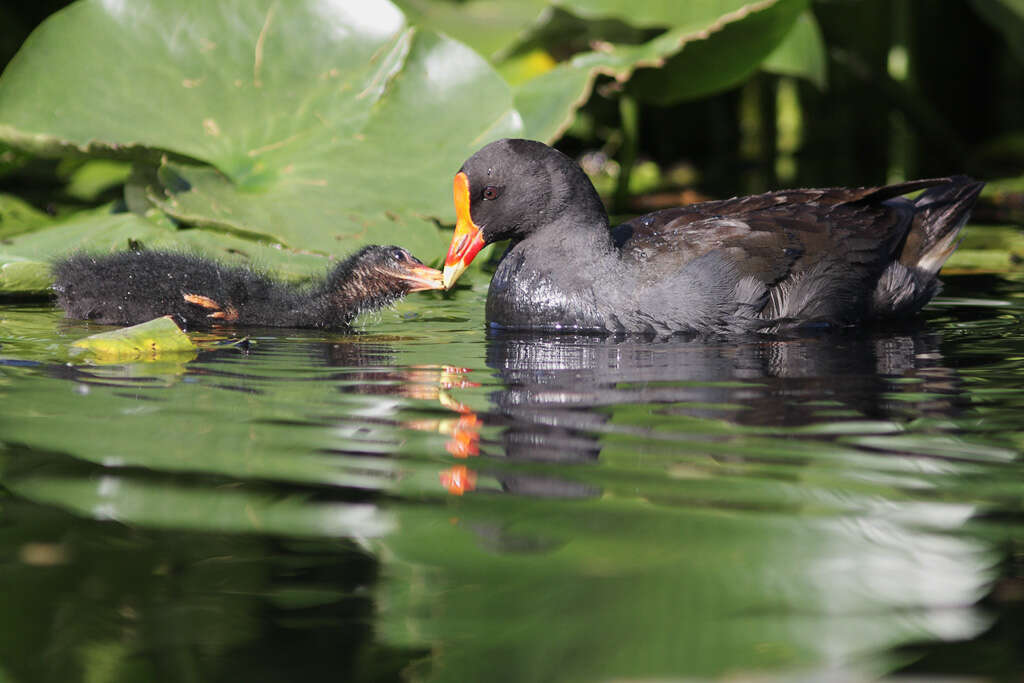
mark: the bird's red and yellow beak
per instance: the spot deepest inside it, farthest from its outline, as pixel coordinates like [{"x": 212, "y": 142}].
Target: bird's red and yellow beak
[{"x": 467, "y": 240}]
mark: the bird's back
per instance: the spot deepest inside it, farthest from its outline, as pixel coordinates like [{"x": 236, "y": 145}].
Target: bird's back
[
  {"x": 832, "y": 255},
  {"x": 134, "y": 286}
]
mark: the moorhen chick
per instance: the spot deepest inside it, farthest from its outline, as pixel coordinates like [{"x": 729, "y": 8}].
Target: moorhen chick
[
  {"x": 134, "y": 286},
  {"x": 764, "y": 263}
]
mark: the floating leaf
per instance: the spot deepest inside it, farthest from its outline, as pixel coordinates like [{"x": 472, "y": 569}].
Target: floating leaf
[
  {"x": 147, "y": 341},
  {"x": 323, "y": 120},
  {"x": 23, "y": 276},
  {"x": 98, "y": 230}
]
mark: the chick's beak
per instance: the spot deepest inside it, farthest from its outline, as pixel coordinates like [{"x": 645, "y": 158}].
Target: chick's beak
[
  {"x": 467, "y": 240},
  {"x": 422, "y": 277}
]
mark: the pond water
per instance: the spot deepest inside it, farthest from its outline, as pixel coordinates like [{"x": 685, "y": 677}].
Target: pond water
[{"x": 426, "y": 500}]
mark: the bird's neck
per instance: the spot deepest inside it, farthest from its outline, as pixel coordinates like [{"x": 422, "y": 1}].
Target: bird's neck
[
  {"x": 331, "y": 302},
  {"x": 333, "y": 305},
  {"x": 582, "y": 234}
]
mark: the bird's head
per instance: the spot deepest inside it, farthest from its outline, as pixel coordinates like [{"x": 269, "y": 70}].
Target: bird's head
[{"x": 510, "y": 189}]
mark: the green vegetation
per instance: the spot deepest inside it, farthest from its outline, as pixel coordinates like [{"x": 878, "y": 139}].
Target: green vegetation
[
  {"x": 154, "y": 340},
  {"x": 284, "y": 509},
  {"x": 286, "y": 134}
]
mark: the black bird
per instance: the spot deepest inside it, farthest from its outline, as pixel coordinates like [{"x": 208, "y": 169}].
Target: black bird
[
  {"x": 134, "y": 286},
  {"x": 792, "y": 258}
]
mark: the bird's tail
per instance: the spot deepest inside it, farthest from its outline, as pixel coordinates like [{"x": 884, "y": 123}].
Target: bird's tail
[{"x": 939, "y": 214}]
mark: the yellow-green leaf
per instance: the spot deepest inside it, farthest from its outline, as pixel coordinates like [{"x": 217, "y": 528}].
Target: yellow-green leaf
[{"x": 148, "y": 341}]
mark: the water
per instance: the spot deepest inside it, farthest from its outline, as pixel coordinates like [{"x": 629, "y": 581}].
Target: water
[{"x": 428, "y": 501}]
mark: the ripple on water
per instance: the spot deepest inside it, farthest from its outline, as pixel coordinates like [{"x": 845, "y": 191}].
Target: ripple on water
[{"x": 540, "y": 506}]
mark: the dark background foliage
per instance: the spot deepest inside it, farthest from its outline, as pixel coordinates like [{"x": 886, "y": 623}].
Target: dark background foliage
[{"x": 960, "y": 107}]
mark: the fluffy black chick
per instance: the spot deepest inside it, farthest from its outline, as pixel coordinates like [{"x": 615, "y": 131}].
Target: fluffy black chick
[{"x": 134, "y": 286}]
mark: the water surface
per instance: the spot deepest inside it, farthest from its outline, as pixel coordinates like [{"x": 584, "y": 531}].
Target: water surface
[{"x": 426, "y": 500}]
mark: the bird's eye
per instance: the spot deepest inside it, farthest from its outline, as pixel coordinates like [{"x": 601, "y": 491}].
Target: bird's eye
[
  {"x": 491, "y": 192},
  {"x": 398, "y": 254}
]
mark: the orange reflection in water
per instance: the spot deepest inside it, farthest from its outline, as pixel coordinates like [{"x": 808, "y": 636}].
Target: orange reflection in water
[{"x": 458, "y": 480}]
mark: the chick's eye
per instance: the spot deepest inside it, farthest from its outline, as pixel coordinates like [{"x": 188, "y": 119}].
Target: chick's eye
[
  {"x": 491, "y": 192},
  {"x": 398, "y": 254}
]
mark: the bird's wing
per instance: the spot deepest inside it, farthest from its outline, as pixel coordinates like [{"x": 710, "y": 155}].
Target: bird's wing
[{"x": 778, "y": 234}]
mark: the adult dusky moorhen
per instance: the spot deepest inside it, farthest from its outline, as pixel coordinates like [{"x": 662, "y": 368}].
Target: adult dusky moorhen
[
  {"x": 764, "y": 263},
  {"x": 134, "y": 286}
]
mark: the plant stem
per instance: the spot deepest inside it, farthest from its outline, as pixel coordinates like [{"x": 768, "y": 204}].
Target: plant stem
[{"x": 629, "y": 116}]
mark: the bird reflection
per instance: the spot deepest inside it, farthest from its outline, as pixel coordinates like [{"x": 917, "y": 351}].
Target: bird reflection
[
  {"x": 776, "y": 382},
  {"x": 560, "y": 392}
]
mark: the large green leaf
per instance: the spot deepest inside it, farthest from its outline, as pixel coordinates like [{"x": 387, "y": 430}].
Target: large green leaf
[
  {"x": 713, "y": 46},
  {"x": 25, "y": 259},
  {"x": 234, "y": 84},
  {"x": 692, "y": 15},
  {"x": 708, "y": 66},
  {"x": 149, "y": 341},
  {"x": 801, "y": 53},
  {"x": 322, "y": 119},
  {"x": 488, "y": 26}
]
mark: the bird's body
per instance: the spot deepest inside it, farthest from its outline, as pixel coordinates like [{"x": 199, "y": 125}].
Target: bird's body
[
  {"x": 762, "y": 263},
  {"x": 134, "y": 286}
]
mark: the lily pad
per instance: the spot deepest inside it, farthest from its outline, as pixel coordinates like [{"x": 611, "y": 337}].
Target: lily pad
[
  {"x": 23, "y": 276},
  {"x": 152, "y": 340},
  {"x": 98, "y": 230},
  {"x": 319, "y": 117},
  {"x": 11, "y": 159},
  {"x": 488, "y": 26},
  {"x": 25, "y": 259}
]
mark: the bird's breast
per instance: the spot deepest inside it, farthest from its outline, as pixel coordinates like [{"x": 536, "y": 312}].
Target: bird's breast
[{"x": 524, "y": 295}]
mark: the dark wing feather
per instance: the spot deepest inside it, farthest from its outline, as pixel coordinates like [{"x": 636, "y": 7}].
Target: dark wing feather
[{"x": 774, "y": 235}]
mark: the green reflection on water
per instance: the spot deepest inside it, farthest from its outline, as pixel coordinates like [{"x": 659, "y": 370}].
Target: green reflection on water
[{"x": 427, "y": 500}]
